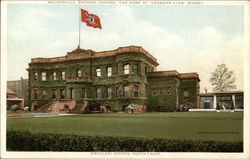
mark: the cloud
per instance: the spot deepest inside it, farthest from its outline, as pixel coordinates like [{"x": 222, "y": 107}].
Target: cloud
[{"x": 199, "y": 53}]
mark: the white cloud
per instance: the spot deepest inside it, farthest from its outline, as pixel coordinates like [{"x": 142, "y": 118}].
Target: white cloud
[{"x": 201, "y": 53}]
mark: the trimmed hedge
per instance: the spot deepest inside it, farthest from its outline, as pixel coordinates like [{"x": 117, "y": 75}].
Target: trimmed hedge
[{"x": 26, "y": 141}]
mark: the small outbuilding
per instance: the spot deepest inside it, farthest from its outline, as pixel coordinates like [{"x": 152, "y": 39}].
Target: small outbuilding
[
  {"x": 222, "y": 100},
  {"x": 12, "y": 99}
]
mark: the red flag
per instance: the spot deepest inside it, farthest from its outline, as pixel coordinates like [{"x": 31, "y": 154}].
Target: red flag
[{"x": 90, "y": 19}]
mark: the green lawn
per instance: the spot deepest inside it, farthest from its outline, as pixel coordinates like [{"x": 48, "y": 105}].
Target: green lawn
[{"x": 173, "y": 125}]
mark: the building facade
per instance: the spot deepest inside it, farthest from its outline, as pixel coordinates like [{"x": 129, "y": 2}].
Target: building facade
[
  {"x": 20, "y": 87},
  {"x": 113, "y": 79},
  {"x": 222, "y": 100}
]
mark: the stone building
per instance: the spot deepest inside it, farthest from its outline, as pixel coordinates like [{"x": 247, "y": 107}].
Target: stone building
[
  {"x": 113, "y": 79},
  {"x": 20, "y": 87}
]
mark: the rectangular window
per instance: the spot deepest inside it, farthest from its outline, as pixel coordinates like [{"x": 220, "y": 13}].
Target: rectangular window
[
  {"x": 79, "y": 73},
  {"x": 136, "y": 69},
  {"x": 98, "y": 72},
  {"x": 72, "y": 93},
  {"x": 62, "y": 93},
  {"x": 135, "y": 91},
  {"x": 35, "y": 93},
  {"x": 161, "y": 91},
  {"x": 117, "y": 91},
  {"x": 185, "y": 93},
  {"x": 98, "y": 93},
  {"x": 43, "y": 76},
  {"x": 154, "y": 92},
  {"x": 83, "y": 93},
  {"x": 109, "y": 92},
  {"x": 109, "y": 71},
  {"x": 63, "y": 75},
  {"x": 54, "y": 76},
  {"x": 44, "y": 94},
  {"x": 125, "y": 91},
  {"x": 53, "y": 94},
  {"x": 126, "y": 69},
  {"x": 35, "y": 76}
]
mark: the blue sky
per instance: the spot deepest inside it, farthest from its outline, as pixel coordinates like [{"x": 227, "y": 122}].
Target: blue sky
[{"x": 185, "y": 38}]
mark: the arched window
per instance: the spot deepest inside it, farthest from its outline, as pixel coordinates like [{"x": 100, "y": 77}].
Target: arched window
[
  {"x": 79, "y": 73},
  {"x": 98, "y": 72},
  {"x": 126, "y": 69},
  {"x": 109, "y": 70}
]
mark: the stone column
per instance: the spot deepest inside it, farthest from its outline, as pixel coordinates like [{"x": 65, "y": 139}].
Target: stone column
[
  {"x": 233, "y": 98},
  {"x": 215, "y": 102}
]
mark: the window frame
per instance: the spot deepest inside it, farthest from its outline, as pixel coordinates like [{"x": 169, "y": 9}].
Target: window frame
[
  {"x": 54, "y": 78},
  {"x": 98, "y": 93},
  {"x": 63, "y": 75},
  {"x": 126, "y": 93},
  {"x": 98, "y": 72},
  {"x": 126, "y": 69},
  {"x": 36, "y": 76},
  {"x": 109, "y": 72},
  {"x": 44, "y": 76},
  {"x": 79, "y": 73},
  {"x": 109, "y": 92}
]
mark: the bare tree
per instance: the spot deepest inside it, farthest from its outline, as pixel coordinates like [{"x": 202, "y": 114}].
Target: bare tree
[{"x": 222, "y": 79}]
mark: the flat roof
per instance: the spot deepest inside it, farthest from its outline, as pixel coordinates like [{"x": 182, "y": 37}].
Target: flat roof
[
  {"x": 87, "y": 54},
  {"x": 221, "y": 93}
]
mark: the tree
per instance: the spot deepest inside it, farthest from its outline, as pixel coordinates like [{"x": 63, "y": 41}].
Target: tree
[{"x": 222, "y": 79}]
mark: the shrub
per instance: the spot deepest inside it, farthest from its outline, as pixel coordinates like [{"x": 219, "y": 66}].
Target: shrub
[{"x": 26, "y": 141}]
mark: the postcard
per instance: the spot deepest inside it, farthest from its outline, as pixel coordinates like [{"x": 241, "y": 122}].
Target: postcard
[{"x": 125, "y": 79}]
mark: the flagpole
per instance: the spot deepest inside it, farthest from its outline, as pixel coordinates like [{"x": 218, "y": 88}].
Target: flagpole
[{"x": 79, "y": 27}]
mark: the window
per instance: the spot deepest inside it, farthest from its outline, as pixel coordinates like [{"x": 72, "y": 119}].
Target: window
[
  {"x": 98, "y": 72},
  {"x": 126, "y": 69},
  {"x": 154, "y": 92},
  {"x": 125, "y": 91},
  {"x": 53, "y": 94},
  {"x": 117, "y": 92},
  {"x": 54, "y": 76},
  {"x": 35, "y": 76},
  {"x": 62, "y": 93},
  {"x": 135, "y": 91},
  {"x": 63, "y": 75},
  {"x": 79, "y": 73},
  {"x": 185, "y": 93},
  {"x": 44, "y": 94},
  {"x": 109, "y": 92},
  {"x": 83, "y": 93},
  {"x": 109, "y": 70},
  {"x": 161, "y": 91},
  {"x": 43, "y": 76},
  {"x": 98, "y": 93},
  {"x": 35, "y": 93},
  {"x": 72, "y": 93},
  {"x": 136, "y": 69}
]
